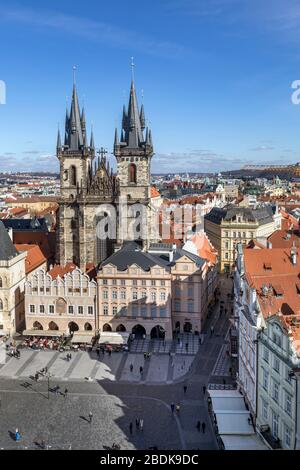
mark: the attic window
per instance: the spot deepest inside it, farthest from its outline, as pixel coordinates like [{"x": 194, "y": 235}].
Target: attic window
[
  {"x": 278, "y": 290},
  {"x": 268, "y": 266}
]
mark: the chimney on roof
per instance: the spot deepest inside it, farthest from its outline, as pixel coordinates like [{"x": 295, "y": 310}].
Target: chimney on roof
[
  {"x": 269, "y": 245},
  {"x": 294, "y": 254}
]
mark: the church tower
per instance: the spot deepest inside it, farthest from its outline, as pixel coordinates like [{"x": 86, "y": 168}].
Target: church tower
[
  {"x": 75, "y": 157},
  {"x": 133, "y": 152}
]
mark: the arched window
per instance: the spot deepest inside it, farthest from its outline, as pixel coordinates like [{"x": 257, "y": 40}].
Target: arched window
[
  {"x": 132, "y": 173},
  {"x": 73, "y": 176},
  {"x": 1, "y": 282},
  {"x": 1, "y": 305}
]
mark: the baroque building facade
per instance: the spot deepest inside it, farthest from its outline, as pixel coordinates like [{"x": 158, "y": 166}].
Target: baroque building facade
[{"x": 93, "y": 200}]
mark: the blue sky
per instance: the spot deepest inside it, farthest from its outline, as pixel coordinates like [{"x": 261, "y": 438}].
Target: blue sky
[{"x": 216, "y": 77}]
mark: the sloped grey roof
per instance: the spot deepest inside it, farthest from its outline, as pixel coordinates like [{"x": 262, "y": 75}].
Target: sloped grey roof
[
  {"x": 262, "y": 215},
  {"x": 35, "y": 224},
  {"x": 130, "y": 253},
  {"x": 7, "y": 248}
]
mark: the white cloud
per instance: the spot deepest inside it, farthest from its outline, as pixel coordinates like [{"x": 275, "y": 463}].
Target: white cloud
[{"x": 91, "y": 30}]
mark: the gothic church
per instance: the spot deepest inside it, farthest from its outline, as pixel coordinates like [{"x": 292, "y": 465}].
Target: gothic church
[{"x": 88, "y": 184}]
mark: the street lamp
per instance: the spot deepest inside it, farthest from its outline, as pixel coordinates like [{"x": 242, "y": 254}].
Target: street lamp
[{"x": 48, "y": 378}]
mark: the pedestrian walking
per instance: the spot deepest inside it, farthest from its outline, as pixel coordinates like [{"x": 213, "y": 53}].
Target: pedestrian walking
[
  {"x": 211, "y": 330},
  {"x": 204, "y": 389},
  {"x": 141, "y": 424},
  {"x": 130, "y": 428},
  {"x": 131, "y": 367},
  {"x": 66, "y": 393},
  {"x": 172, "y": 407},
  {"x": 141, "y": 370},
  {"x": 137, "y": 423},
  {"x": 203, "y": 427},
  {"x": 186, "y": 347},
  {"x": 17, "y": 435},
  {"x": 198, "y": 425},
  {"x": 90, "y": 417},
  {"x": 185, "y": 389}
]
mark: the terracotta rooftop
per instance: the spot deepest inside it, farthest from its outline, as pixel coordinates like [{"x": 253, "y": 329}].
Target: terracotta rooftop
[
  {"x": 154, "y": 192},
  {"x": 277, "y": 283},
  {"x": 61, "y": 271},
  {"x": 34, "y": 258}
]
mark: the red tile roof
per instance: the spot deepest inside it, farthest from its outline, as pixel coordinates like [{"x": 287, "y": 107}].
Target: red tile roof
[
  {"x": 61, "y": 271},
  {"x": 34, "y": 258}
]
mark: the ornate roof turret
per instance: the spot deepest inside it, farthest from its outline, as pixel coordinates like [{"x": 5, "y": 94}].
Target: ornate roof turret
[
  {"x": 58, "y": 146},
  {"x": 133, "y": 126},
  {"x": 142, "y": 118}
]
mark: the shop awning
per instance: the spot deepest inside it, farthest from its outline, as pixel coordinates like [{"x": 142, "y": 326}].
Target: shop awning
[
  {"x": 82, "y": 338},
  {"x": 46, "y": 333},
  {"x": 114, "y": 338}
]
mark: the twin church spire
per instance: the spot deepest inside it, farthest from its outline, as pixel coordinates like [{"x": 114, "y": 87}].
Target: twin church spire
[
  {"x": 133, "y": 126},
  {"x": 75, "y": 128},
  {"x": 134, "y": 133}
]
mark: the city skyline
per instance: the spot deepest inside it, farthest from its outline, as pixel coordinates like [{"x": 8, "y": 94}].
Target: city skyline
[{"x": 218, "y": 96}]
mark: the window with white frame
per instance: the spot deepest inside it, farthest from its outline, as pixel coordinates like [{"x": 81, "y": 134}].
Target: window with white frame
[
  {"x": 51, "y": 308},
  {"x": 42, "y": 308},
  {"x": 90, "y": 310},
  {"x": 162, "y": 283},
  {"x": 153, "y": 311},
  {"x": 114, "y": 295},
  {"x": 105, "y": 309},
  {"x": 265, "y": 410},
  {"x": 163, "y": 312},
  {"x": 177, "y": 306},
  {"x": 134, "y": 295},
  {"x": 144, "y": 294},
  {"x": 265, "y": 379},
  {"x": 275, "y": 391},
  {"x": 135, "y": 310},
  {"x": 153, "y": 296},
  {"x": 275, "y": 424},
  {"x": 104, "y": 282},
  {"x": 115, "y": 310},
  {"x": 163, "y": 296},
  {"x": 287, "y": 436},
  {"x": 288, "y": 403},
  {"x": 80, "y": 310},
  {"x": 32, "y": 308},
  {"x": 266, "y": 354},
  {"x": 190, "y": 307},
  {"x": 153, "y": 283},
  {"x": 71, "y": 310},
  {"x": 123, "y": 294},
  {"x": 105, "y": 294},
  {"x": 276, "y": 364},
  {"x": 143, "y": 311}
]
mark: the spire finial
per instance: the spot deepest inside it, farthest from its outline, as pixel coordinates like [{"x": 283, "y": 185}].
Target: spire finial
[
  {"x": 74, "y": 75},
  {"x": 132, "y": 68}
]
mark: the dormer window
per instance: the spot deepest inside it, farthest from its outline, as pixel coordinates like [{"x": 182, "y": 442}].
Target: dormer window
[{"x": 278, "y": 290}]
